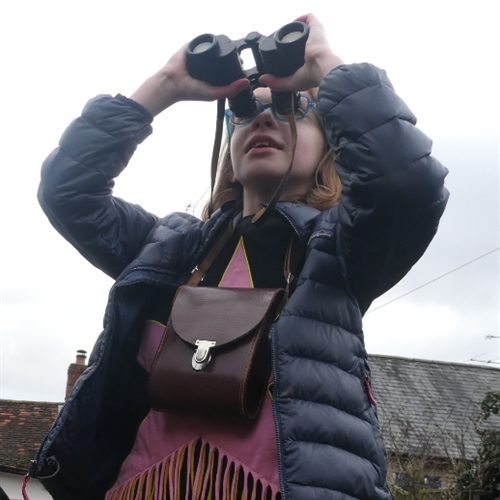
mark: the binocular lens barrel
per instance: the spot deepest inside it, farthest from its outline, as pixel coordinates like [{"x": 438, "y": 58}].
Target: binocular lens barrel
[
  {"x": 213, "y": 59},
  {"x": 291, "y": 37},
  {"x": 202, "y": 47},
  {"x": 291, "y": 32},
  {"x": 201, "y": 44}
]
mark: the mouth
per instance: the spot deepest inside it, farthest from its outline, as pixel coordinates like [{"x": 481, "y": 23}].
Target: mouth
[{"x": 262, "y": 142}]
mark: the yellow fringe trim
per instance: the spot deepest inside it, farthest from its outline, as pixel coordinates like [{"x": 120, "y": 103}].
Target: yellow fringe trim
[{"x": 195, "y": 471}]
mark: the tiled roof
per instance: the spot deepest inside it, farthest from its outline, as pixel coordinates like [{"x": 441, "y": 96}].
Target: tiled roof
[
  {"x": 429, "y": 407},
  {"x": 23, "y": 426}
]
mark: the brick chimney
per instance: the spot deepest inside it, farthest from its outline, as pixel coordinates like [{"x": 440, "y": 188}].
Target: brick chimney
[{"x": 75, "y": 370}]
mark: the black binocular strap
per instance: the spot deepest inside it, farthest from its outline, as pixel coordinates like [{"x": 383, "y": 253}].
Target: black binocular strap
[{"x": 219, "y": 126}]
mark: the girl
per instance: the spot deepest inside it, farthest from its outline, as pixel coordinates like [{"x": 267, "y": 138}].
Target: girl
[{"x": 359, "y": 226}]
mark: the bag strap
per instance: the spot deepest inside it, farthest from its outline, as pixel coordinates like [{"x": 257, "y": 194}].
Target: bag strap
[
  {"x": 199, "y": 272},
  {"x": 290, "y": 265}
]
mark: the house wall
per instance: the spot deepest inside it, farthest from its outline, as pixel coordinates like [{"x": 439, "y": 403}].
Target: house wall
[{"x": 12, "y": 484}]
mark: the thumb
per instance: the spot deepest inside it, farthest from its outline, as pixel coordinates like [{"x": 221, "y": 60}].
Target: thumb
[
  {"x": 232, "y": 89},
  {"x": 275, "y": 83}
]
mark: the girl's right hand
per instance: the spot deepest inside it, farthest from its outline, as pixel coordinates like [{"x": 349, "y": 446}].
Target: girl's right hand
[
  {"x": 173, "y": 84},
  {"x": 319, "y": 61}
]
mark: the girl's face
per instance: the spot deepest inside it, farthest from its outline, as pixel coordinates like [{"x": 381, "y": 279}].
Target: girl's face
[{"x": 261, "y": 153}]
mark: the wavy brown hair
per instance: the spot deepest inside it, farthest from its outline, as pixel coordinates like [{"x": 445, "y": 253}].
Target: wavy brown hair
[{"x": 324, "y": 194}]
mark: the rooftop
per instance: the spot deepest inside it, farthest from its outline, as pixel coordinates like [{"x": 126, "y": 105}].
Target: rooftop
[
  {"x": 23, "y": 426},
  {"x": 430, "y": 407}
]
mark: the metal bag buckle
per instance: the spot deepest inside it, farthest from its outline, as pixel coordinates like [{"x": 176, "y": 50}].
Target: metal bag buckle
[{"x": 202, "y": 356}]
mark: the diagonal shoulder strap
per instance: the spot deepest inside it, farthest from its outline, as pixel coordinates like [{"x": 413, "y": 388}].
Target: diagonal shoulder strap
[{"x": 198, "y": 273}]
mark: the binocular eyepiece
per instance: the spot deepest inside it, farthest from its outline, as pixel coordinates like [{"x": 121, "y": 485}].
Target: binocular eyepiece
[{"x": 216, "y": 60}]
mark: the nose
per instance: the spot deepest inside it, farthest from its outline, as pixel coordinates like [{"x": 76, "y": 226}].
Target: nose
[{"x": 264, "y": 120}]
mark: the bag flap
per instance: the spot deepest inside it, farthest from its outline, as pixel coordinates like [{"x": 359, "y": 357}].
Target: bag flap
[{"x": 221, "y": 314}]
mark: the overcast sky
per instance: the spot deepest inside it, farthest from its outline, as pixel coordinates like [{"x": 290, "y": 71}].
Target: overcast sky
[{"x": 443, "y": 59}]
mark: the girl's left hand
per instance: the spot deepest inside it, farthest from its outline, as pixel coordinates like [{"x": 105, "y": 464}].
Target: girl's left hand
[
  {"x": 172, "y": 84},
  {"x": 319, "y": 61}
]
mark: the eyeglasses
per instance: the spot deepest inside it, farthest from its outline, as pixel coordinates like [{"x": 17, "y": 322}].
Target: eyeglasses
[{"x": 305, "y": 105}]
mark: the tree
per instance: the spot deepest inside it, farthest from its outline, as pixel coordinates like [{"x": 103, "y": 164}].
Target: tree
[
  {"x": 422, "y": 453},
  {"x": 479, "y": 479}
]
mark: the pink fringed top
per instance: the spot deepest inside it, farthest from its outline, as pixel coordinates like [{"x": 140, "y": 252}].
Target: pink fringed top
[{"x": 179, "y": 456}]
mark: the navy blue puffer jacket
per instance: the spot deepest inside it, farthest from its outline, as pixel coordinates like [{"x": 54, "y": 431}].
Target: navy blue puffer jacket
[{"x": 328, "y": 438}]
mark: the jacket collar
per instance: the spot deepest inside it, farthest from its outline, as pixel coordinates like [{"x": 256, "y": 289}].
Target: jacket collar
[{"x": 300, "y": 217}]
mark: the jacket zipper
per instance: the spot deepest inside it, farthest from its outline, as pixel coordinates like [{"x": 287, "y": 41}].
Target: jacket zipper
[
  {"x": 295, "y": 230},
  {"x": 275, "y": 399},
  {"x": 120, "y": 282},
  {"x": 276, "y": 416},
  {"x": 40, "y": 458},
  {"x": 41, "y": 452}
]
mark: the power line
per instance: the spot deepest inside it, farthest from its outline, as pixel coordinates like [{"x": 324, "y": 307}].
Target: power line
[
  {"x": 432, "y": 281},
  {"x": 488, "y": 362}
]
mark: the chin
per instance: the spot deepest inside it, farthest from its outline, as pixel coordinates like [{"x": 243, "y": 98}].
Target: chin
[{"x": 263, "y": 169}]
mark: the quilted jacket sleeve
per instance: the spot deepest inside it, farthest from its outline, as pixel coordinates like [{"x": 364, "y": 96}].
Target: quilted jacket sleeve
[
  {"x": 77, "y": 182},
  {"x": 393, "y": 194}
]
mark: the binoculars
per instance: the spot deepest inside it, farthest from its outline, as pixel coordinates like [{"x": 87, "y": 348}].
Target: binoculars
[{"x": 216, "y": 60}]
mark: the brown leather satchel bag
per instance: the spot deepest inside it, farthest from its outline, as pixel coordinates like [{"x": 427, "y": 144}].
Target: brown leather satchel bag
[{"x": 215, "y": 356}]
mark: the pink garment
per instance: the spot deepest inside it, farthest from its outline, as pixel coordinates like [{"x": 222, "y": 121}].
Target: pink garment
[
  {"x": 238, "y": 273},
  {"x": 166, "y": 439},
  {"x": 162, "y": 436}
]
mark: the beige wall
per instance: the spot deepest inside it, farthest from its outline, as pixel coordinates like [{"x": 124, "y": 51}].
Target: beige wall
[{"x": 12, "y": 484}]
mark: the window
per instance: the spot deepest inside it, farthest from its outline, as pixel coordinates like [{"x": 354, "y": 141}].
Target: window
[
  {"x": 403, "y": 481},
  {"x": 433, "y": 482}
]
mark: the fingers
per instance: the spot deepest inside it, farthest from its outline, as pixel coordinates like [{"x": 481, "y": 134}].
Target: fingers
[
  {"x": 230, "y": 90},
  {"x": 276, "y": 83},
  {"x": 309, "y": 19},
  {"x": 319, "y": 61}
]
